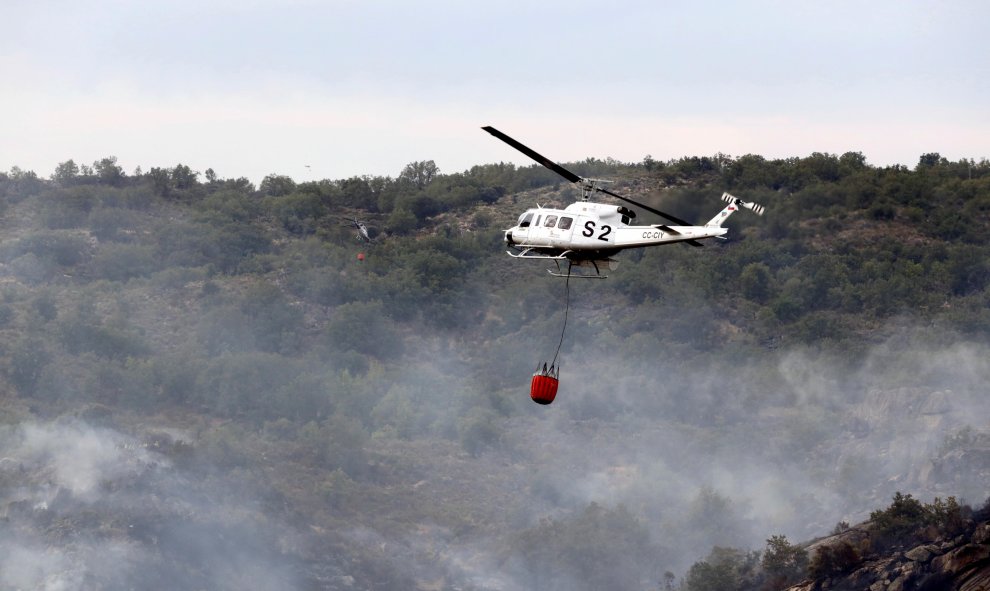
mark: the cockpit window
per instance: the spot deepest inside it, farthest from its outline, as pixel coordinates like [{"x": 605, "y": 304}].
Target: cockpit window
[
  {"x": 551, "y": 220},
  {"x": 525, "y": 220},
  {"x": 565, "y": 223}
]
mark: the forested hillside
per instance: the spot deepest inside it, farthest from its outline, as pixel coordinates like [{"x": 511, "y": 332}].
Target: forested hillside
[{"x": 203, "y": 385}]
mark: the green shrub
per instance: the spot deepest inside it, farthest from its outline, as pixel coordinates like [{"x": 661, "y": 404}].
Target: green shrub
[
  {"x": 784, "y": 562},
  {"x": 833, "y": 560},
  {"x": 120, "y": 262},
  {"x": 904, "y": 515}
]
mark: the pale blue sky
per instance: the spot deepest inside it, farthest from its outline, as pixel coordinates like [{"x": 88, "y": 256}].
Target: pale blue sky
[{"x": 254, "y": 87}]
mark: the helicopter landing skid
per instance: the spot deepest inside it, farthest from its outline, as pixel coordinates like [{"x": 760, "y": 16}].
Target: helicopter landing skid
[
  {"x": 568, "y": 275},
  {"x": 531, "y": 253}
]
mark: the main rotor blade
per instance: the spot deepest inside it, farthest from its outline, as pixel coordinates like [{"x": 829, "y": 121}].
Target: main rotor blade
[
  {"x": 540, "y": 158},
  {"x": 677, "y": 221},
  {"x": 656, "y": 211},
  {"x": 534, "y": 155}
]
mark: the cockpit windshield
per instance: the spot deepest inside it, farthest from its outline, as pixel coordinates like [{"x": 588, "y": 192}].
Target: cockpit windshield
[{"x": 525, "y": 220}]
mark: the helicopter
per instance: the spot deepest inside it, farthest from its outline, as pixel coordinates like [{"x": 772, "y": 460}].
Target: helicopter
[
  {"x": 589, "y": 234},
  {"x": 361, "y": 227}
]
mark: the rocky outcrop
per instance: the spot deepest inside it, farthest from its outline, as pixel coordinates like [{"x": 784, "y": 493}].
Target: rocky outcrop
[
  {"x": 961, "y": 563},
  {"x": 932, "y": 443}
]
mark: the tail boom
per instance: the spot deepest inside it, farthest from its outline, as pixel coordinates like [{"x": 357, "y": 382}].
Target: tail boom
[{"x": 734, "y": 203}]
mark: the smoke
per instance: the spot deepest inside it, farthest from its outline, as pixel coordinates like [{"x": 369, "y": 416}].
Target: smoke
[
  {"x": 700, "y": 452},
  {"x": 668, "y": 449},
  {"x": 76, "y": 458},
  {"x": 89, "y": 507},
  {"x": 709, "y": 453},
  {"x": 110, "y": 565}
]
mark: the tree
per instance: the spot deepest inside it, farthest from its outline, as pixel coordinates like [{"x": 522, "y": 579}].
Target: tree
[
  {"x": 783, "y": 562},
  {"x": 755, "y": 279},
  {"x": 275, "y": 323},
  {"x": 750, "y": 171},
  {"x": 668, "y": 581},
  {"x": 902, "y": 518},
  {"x": 183, "y": 177},
  {"x": 108, "y": 171},
  {"x": 402, "y": 221},
  {"x": 120, "y": 262},
  {"x": 19, "y": 184},
  {"x": 930, "y": 160},
  {"x": 366, "y": 328},
  {"x": 714, "y": 518},
  {"x": 823, "y": 166},
  {"x": 161, "y": 181},
  {"x": 420, "y": 205},
  {"x": 357, "y": 192},
  {"x": 28, "y": 358},
  {"x": 725, "y": 569},
  {"x": 420, "y": 174},
  {"x": 299, "y": 213},
  {"x": 65, "y": 173},
  {"x": 831, "y": 560},
  {"x": 245, "y": 383},
  {"x": 947, "y": 515},
  {"x": 852, "y": 162},
  {"x": 597, "y": 548},
  {"x": 277, "y": 185},
  {"x": 110, "y": 223}
]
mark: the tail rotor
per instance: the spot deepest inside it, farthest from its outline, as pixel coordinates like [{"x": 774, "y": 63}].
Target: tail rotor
[
  {"x": 734, "y": 203},
  {"x": 750, "y": 205}
]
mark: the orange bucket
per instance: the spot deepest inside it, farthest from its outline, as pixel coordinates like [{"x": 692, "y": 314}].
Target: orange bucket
[{"x": 543, "y": 388}]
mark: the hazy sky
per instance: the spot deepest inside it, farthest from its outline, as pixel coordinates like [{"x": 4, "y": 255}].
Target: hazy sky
[{"x": 253, "y": 87}]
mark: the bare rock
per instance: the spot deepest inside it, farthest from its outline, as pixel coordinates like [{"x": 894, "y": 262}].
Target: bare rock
[
  {"x": 959, "y": 560},
  {"x": 922, "y": 554}
]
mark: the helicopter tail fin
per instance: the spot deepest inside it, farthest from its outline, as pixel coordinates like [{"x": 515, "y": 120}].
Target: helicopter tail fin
[{"x": 734, "y": 203}]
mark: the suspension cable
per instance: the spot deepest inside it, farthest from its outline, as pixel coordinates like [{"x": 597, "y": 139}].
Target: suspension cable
[{"x": 567, "y": 305}]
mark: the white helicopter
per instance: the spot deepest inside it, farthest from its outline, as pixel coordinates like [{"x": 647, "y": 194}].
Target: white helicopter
[
  {"x": 362, "y": 229},
  {"x": 588, "y": 234}
]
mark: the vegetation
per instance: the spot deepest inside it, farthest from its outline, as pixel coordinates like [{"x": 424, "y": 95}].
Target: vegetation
[
  {"x": 725, "y": 568},
  {"x": 903, "y": 521},
  {"x": 832, "y": 560},
  {"x": 243, "y": 317},
  {"x": 783, "y": 563},
  {"x": 597, "y": 548}
]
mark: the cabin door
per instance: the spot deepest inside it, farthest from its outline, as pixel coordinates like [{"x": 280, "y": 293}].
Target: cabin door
[{"x": 561, "y": 228}]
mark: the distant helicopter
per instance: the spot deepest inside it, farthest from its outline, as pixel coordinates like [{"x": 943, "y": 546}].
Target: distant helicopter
[
  {"x": 362, "y": 229},
  {"x": 588, "y": 234}
]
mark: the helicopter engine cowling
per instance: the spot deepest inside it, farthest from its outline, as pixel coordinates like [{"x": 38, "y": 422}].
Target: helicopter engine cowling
[{"x": 627, "y": 214}]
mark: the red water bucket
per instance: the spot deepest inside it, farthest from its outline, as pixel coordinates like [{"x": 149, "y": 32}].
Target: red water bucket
[{"x": 543, "y": 389}]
